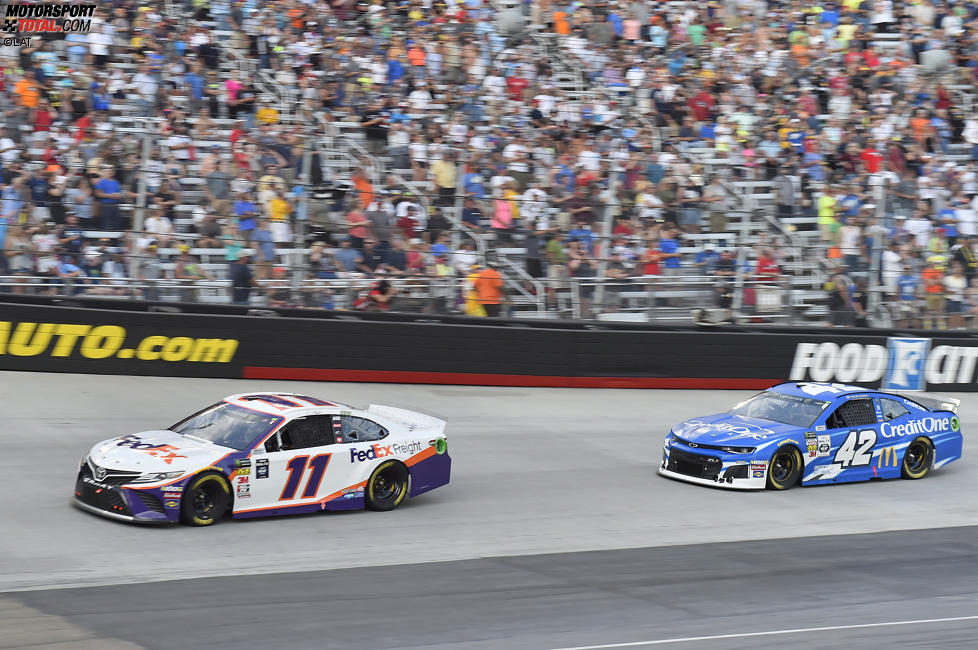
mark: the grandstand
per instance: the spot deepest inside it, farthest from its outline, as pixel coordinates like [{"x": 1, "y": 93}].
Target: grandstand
[{"x": 630, "y": 161}]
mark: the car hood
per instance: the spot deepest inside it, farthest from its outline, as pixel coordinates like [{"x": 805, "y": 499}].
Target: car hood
[
  {"x": 156, "y": 451},
  {"x": 734, "y": 430}
]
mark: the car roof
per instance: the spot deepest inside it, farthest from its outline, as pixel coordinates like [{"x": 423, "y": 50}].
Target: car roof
[
  {"x": 278, "y": 403},
  {"x": 829, "y": 393}
]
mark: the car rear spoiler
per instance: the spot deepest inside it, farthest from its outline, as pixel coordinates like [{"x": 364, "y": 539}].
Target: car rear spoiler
[
  {"x": 414, "y": 421},
  {"x": 933, "y": 402}
]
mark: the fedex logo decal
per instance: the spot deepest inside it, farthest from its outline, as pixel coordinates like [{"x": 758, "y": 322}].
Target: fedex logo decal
[
  {"x": 166, "y": 453},
  {"x": 904, "y": 364},
  {"x": 372, "y": 452}
]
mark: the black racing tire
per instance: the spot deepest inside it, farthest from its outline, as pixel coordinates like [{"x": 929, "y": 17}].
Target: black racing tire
[
  {"x": 205, "y": 499},
  {"x": 387, "y": 486},
  {"x": 917, "y": 459},
  {"x": 785, "y": 468}
]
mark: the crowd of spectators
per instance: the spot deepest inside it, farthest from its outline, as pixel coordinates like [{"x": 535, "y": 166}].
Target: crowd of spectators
[{"x": 855, "y": 115}]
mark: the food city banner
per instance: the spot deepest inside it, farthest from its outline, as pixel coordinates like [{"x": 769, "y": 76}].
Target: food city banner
[{"x": 182, "y": 340}]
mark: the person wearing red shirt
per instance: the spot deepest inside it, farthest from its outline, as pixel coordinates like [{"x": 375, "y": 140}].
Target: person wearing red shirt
[
  {"x": 515, "y": 86},
  {"x": 623, "y": 228},
  {"x": 651, "y": 258},
  {"x": 83, "y": 124},
  {"x": 767, "y": 266},
  {"x": 702, "y": 105},
  {"x": 871, "y": 58},
  {"x": 871, "y": 159},
  {"x": 43, "y": 117},
  {"x": 237, "y": 133}
]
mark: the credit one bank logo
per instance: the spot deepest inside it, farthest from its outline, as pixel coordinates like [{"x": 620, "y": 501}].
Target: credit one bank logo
[{"x": 903, "y": 364}]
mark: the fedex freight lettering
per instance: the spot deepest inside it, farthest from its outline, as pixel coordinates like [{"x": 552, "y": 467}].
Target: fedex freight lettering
[{"x": 904, "y": 364}]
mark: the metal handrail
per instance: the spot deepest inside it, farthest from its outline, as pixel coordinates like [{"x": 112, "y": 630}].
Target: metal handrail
[{"x": 540, "y": 297}]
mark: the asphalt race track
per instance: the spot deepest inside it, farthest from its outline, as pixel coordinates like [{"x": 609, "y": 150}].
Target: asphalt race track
[{"x": 554, "y": 533}]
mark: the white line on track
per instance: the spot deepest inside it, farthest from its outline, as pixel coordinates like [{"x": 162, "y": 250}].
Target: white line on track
[{"x": 801, "y": 630}]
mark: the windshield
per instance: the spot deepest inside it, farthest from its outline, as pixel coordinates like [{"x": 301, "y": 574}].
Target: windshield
[
  {"x": 227, "y": 425},
  {"x": 778, "y": 407}
]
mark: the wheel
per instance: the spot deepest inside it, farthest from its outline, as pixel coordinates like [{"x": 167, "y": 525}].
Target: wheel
[
  {"x": 784, "y": 470},
  {"x": 205, "y": 499},
  {"x": 918, "y": 459},
  {"x": 387, "y": 486}
]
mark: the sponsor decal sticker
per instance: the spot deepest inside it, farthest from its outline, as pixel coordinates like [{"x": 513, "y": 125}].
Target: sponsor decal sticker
[
  {"x": 820, "y": 427},
  {"x": 261, "y": 468},
  {"x": 903, "y": 364},
  {"x": 243, "y": 471},
  {"x": 166, "y": 453},
  {"x": 244, "y": 491},
  {"x": 172, "y": 495},
  {"x": 786, "y": 441},
  {"x": 919, "y": 426},
  {"x": 758, "y": 474},
  {"x": 172, "y": 504},
  {"x": 758, "y": 466},
  {"x": 887, "y": 457},
  {"x": 824, "y": 446},
  {"x": 740, "y": 430},
  {"x": 99, "y": 342},
  {"x": 810, "y": 435},
  {"x": 243, "y": 479}
]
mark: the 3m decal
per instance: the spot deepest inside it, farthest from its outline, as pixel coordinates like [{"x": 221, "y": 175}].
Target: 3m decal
[
  {"x": 296, "y": 467},
  {"x": 857, "y": 450},
  {"x": 108, "y": 341}
]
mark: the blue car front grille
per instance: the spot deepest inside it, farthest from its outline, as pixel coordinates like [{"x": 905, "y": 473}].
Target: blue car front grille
[{"x": 695, "y": 465}]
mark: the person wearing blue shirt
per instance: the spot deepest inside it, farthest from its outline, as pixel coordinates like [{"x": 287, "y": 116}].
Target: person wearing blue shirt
[
  {"x": 948, "y": 219},
  {"x": 100, "y": 97},
  {"x": 582, "y": 233},
  {"x": 395, "y": 70},
  {"x": 850, "y": 203},
  {"x": 565, "y": 177},
  {"x": 669, "y": 247},
  {"x": 708, "y": 133},
  {"x": 796, "y": 138},
  {"x": 473, "y": 185},
  {"x": 4, "y": 267},
  {"x": 109, "y": 193},
  {"x": 196, "y": 85},
  {"x": 706, "y": 260},
  {"x": 13, "y": 199},
  {"x": 658, "y": 36},
  {"x": 654, "y": 171}
]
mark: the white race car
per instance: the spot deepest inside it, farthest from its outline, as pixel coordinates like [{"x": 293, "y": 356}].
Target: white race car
[{"x": 262, "y": 454}]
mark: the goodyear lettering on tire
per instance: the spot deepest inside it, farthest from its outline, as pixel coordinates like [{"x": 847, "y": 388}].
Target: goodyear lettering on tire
[{"x": 61, "y": 340}]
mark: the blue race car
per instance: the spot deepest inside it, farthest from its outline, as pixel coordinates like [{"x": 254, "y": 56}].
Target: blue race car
[{"x": 815, "y": 434}]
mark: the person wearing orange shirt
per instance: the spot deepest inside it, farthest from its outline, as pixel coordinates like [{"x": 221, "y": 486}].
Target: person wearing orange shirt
[
  {"x": 28, "y": 91},
  {"x": 416, "y": 57},
  {"x": 561, "y": 23},
  {"x": 933, "y": 278},
  {"x": 363, "y": 186},
  {"x": 489, "y": 290}
]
